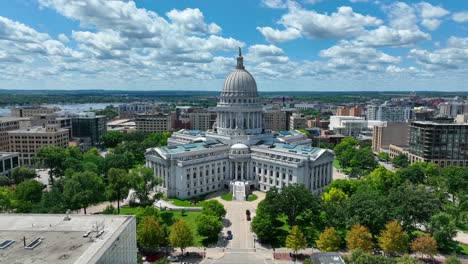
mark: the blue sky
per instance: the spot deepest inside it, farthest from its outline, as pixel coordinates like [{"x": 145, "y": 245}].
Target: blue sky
[{"x": 311, "y": 45}]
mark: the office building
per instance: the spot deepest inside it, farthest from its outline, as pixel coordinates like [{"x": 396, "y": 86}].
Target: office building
[
  {"x": 9, "y": 124},
  {"x": 154, "y": 123},
  {"x": 347, "y": 125},
  {"x": 440, "y": 143},
  {"x": 202, "y": 120},
  {"x": 395, "y": 133},
  {"x": 238, "y": 154},
  {"x": 349, "y": 111},
  {"x": 28, "y": 141},
  {"x": 128, "y": 111},
  {"x": 275, "y": 120},
  {"x": 8, "y": 161},
  {"x": 297, "y": 121},
  {"x": 56, "y": 238},
  {"x": 88, "y": 127},
  {"x": 30, "y": 111}
]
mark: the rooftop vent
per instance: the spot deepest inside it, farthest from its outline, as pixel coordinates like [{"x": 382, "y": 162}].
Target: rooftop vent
[
  {"x": 34, "y": 243},
  {"x": 6, "y": 244}
]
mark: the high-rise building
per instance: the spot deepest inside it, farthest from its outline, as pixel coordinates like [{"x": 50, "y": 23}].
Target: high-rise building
[
  {"x": 28, "y": 141},
  {"x": 154, "y": 123},
  {"x": 390, "y": 113},
  {"x": 55, "y": 238},
  {"x": 202, "y": 120},
  {"x": 89, "y": 127},
  {"x": 52, "y": 119},
  {"x": 132, "y": 109},
  {"x": 349, "y": 111},
  {"x": 275, "y": 120},
  {"x": 440, "y": 143},
  {"x": 30, "y": 111},
  {"x": 238, "y": 154},
  {"x": 297, "y": 121},
  {"x": 452, "y": 109},
  {"x": 9, "y": 124},
  {"x": 395, "y": 133}
]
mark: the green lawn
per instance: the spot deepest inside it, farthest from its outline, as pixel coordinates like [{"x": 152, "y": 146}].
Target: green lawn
[
  {"x": 227, "y": 196},
  {"x": 169, "y": 218},
  {"x": 186, "y": 203},
  {"x": 252, "y": 197},
  {"x": 463, "y": 227}
]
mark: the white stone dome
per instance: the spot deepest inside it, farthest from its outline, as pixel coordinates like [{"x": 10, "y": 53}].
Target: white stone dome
[
  {"x": 239, "y": 146},
  {"x": 240, "y": 83}
]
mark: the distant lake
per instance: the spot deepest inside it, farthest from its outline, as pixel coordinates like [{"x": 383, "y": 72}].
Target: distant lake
[{"x": 68, "y": 107}]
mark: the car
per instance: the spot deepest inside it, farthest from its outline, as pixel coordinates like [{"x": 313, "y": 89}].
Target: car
[
  {"x": 247, "y": 212},
  {"x": 173, "y": 258},
  {"x": 229, "y": 235},
  {"x": 248, "y": 218}
]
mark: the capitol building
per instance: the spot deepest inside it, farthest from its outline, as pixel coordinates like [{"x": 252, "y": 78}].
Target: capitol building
[{"x": 237, "y": 154}]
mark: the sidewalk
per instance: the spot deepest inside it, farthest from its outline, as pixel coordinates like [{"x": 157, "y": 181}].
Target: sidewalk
[{"x": 461, "y": 237}]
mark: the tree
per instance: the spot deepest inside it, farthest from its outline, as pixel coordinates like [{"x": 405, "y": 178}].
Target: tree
[
  {"x": 181, "y": 235},
  {"x": 5, "y": 181},
  {"x": 295, "y": 240},
  {"x": 5, "y": 199},
  {"x": 52, "y": 202},
  {"x": 209, "y": 226},
  {"x": 214, "y": 208},
  {"x": 361, "y": 257},
  {"x": 364, "y": 161},
  {"x": 26, "y": 194},
  {"x": 23, "y": 173},
  {"x": 407, "y": 259},
  {"x": 383, "y": 156},
  {"x": 295, "y": 199},
  {"x": 443, "y": 229},
  {"x": 452, "y": 260},
  {"x": 111, "y": 139},
  {"x": 263, "y": 226},
  {"x": 53, "y": 158},
  {"x": 412, "y": 205},
  {"x": 334, "y": 195},
  {"x": 359, "y": 237},
  {"x": 425, "y": 245},
  {"x": 150, "y": 233},
  {"x": 329, "y": 240},
  {"x": 347, "y": 186},
  {"x": 346, "y": 143},
  {"x": 143, "y": 182},
  {"x": 401, "y": 161},
  {"x": 382, "y": 179},
  {"x": 83, "y": 189},
  {"x": 118, "y": 185},
  {"x": 393, "y": 239}
]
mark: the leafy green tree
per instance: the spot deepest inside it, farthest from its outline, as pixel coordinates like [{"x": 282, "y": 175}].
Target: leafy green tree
[
  {"x": 295, "y": 199},
  {"x": 263, "y": 226},
  {"x": 119, "y": 183},
  {"x": 393, "y": 239},
  {"x": 214, "y": 208},
  {"x": 329, "y": 240},
  {"x": 359, "y": 237},
  {"x": 334, "y": 195},
  {"x": 143, "y": 182},
  {"x": 369, "y": 208},
  {"x": 125, "y": 161},
  {"x": 295, "y": 240},
  {"x": 83, "y": 189},
  {"x": 412, "y": 205},
  {"x": 5, "y": 181},
  {"x": 5, "y": 199},
  {"x": 181, "y": 235},
  {"x": 52, "y": 202},
  {"x": 452, "y": 260},
  {"x": 407, "y": 259},
  {"x": 346, "y": 143},
  {"x": 347, "y": 186},
  {"x": 209, "y": 226},
  {"x": 362, "y": 257},
  {"x": 384, "y": 156},
  {"x": 401, "y": 161},
  {"x": 364, "y": 161},
  {"x": 53, "y": 158},
  {"x": 425, "y": 245},
  {"x": 382, "y": 179},
  {"x": 27, "y": 194},
  {"x": 111, "y": 139},
  {"x": 443, "y": 229},
  {"x": 151, "y": 233},
  {"x": 419, "y": 172},
  {"x": 23, "y": 173}
]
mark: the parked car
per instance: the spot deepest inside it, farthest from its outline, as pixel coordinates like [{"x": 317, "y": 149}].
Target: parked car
[
  {"x": 173, "y": 258},
  {"x": 247, "y": 212},
  {"x": 229, "y": 235},
  {"x": 248, "y": 218}
]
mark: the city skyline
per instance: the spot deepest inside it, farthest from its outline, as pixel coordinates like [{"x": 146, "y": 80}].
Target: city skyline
[{"x": 305, "y": 45}]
